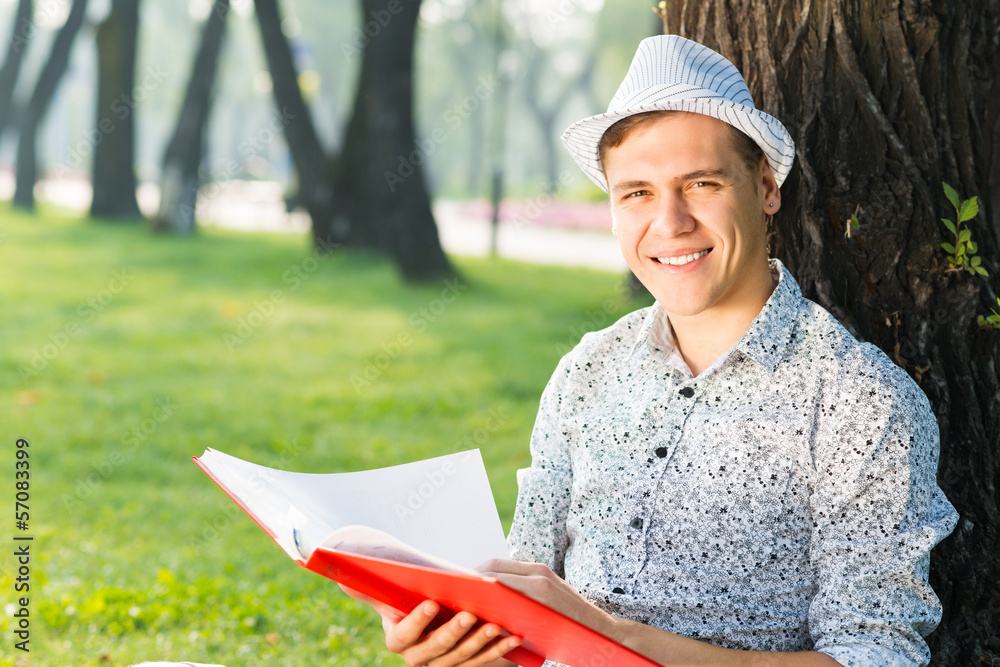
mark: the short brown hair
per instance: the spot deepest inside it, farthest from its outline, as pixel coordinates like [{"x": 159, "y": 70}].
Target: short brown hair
[{"x": 615, "y": 135}]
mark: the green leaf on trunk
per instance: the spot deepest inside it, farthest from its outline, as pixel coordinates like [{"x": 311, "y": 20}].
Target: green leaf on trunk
[
  {"x": 969, "y": 210},
  {"x": 950, "y": 193}
]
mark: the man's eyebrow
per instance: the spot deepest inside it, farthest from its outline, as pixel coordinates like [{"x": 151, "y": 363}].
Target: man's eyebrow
[
  {"x": 719, "y": 172},
  {"x": 630, "y": 185}
]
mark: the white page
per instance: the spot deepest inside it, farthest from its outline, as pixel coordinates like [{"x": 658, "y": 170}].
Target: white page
[{"x": 442, "y": 506}]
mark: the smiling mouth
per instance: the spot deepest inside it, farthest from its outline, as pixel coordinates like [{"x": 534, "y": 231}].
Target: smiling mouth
[{"x": 683, "y": 259}]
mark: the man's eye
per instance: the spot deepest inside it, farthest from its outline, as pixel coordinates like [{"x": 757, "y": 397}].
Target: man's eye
[{"x": 637, "y": 193}]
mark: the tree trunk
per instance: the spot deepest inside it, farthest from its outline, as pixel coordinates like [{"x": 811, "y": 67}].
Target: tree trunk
[
  {"x": 114, "y": 146},
  {"x": 381, "y": 198},
  {"x": 470, "y": 72},
  {"x": 307, "y": 153},
  {"x": 547, "y": 115},
  {"x": 885, "y": 100},
  {"x": 182, "y": 159},
  {"x": 48, "y": 80},
  {"x": 20, "y": 32}
]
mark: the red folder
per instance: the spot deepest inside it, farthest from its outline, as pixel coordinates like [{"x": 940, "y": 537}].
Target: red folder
[{"x": 546, "y": 634}]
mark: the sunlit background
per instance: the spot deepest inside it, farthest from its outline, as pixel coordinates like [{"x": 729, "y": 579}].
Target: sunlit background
[
  {"x": 563, "y": 59},
  {"x": 125, "y": 352}
]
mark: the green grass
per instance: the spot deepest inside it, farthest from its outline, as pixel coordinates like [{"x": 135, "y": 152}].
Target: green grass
[{"x": 248, "y": 344}]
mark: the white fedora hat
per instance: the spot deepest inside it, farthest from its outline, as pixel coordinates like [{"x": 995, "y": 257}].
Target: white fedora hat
[{"x": 673, "y": 73}]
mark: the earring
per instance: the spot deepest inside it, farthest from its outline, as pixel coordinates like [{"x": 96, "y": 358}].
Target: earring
[{"x": 771, "y": 205}]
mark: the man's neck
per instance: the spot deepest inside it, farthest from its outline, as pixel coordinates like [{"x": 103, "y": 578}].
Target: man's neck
[{"x": 703, "y": 338}]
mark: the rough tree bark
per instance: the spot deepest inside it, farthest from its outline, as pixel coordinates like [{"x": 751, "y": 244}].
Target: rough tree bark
[
  {"x": 380, "y": 195},
  {"x": 20, "y": 33},
  {"x": 310, "y": 161},
  {"x": 48, "y": 80},
  {"x": 114, "y": 152},
  {"x": 179, "y": 180},
  {"x": 885, "y": 100}
]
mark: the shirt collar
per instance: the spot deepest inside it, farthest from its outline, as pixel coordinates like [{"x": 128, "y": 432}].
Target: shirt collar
[
  {"x": 768, "y": 335},
  {"x": 765, "y": 339}
]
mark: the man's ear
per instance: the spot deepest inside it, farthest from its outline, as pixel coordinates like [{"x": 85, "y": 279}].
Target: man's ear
[{"x": 770, "y": 192}]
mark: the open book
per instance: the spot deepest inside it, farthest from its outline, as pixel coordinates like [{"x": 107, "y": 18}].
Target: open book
[{"x": 406, "y": 534}]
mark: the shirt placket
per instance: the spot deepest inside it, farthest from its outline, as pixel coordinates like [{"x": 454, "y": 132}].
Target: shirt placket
[{"x": 666, "y": 421}]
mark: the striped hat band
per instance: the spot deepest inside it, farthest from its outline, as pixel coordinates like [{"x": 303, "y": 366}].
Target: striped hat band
[{"x": 670, "y": 73}]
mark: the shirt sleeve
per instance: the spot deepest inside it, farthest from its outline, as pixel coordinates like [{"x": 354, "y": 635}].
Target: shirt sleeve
[
  {"x": 877, "y": 512},
  {"x": 538, "y": 532}
]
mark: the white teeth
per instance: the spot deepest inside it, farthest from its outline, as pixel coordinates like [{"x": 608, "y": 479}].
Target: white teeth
[{"x": 682, "y": 260}]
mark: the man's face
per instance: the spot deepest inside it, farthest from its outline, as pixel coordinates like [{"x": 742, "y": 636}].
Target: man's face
[{"x": 688, "y": 215}]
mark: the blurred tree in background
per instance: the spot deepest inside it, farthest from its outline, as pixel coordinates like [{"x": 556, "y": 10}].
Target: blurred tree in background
[
  {"x": 454, "y": 53},
  {"x": 314, "y": 191},
  {"x": 380, "y": 194},
  {"x": 113, "y": 173},
  {"x": 179, "y": 180},
  {"x": 45, "y": 89},
  {"x": 20, "y": 33},
  {"x": 546, "y": 112},
  {"x": 370, "y": 195}
]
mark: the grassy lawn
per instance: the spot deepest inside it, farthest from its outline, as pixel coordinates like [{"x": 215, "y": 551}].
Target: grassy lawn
[{"x": 123, "y": 355}]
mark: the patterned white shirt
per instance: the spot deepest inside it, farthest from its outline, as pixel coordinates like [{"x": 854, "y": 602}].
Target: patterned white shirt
[{"x": 785, "y": 499}]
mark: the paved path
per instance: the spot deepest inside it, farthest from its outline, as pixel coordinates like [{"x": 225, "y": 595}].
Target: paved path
[
  {"x": 540, "y": 231},
  {"x": 520, "y": 239}
]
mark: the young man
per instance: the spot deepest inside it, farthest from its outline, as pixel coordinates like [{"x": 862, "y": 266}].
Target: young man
[{"x": 728, "y": 476}]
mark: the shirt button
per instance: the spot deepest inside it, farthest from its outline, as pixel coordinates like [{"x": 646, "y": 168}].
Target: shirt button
[
  {"x": 636, "y": 523},
  {"x": 661, "y": 451},
  {"x": 618, "y": 589},
  {"x": 687, "y": 392}
]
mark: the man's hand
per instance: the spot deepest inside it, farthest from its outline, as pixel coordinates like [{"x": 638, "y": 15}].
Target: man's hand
[
  {"x": 540, "y": 583},
  {"x": 459, "y": 642}
]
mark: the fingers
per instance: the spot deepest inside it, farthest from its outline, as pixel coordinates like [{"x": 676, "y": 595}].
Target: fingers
[
  {"x": 408, "y": 630},
  {"x": 535, "y": 580},
  {"x": 503, "y": 566},
  {"x": 457, "y": 642},
  {"x": 537, "y": 587},
  {"x": 486, "y": 644},
  {"x": 541, "y": 584}
]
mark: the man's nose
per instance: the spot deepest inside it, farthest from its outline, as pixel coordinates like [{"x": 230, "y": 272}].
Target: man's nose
[{"x": 672, "y": 215}]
